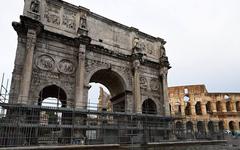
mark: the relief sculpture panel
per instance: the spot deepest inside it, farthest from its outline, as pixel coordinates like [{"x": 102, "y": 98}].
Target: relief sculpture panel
[
  {"x": 66, "y": 66},
  {"x": 52, "y": 14},
  {"x": 45, "y": 62},
  {"x": 69, "y": 19},
  {"x": 154, "y": 84}
]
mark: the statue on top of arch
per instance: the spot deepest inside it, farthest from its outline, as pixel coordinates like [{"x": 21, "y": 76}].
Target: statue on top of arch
[{"x": 34, "y": 7}]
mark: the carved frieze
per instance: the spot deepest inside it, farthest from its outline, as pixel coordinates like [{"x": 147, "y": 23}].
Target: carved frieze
[
  {"x": 52, "y": 14},
  {"x": 143, "y": 82},
  {"x": 45, "y": 62},
  {"x": 69, "y": 19},
  {"x": 66, "y": 66},
  {"x": 154, "y": 84}
]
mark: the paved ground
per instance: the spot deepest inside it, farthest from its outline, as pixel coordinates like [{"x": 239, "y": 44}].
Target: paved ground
[{"x": 231, "y": 143}]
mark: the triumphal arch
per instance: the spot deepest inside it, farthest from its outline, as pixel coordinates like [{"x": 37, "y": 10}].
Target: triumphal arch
[{"x": 62, "y": 47}]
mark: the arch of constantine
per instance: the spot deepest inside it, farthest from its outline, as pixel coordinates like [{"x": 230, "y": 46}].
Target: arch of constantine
[
  {"x": 61, "y": 49},
  {"x": 68, "y": 47}
]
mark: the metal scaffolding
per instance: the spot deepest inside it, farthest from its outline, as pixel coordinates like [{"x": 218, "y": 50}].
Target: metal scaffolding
[
  {"x": 40, "y": 125},
  {"x": 51, "y": 122}
]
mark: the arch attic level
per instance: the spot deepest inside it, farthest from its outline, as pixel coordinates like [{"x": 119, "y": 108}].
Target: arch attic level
[{"x": 68, "y": 46}]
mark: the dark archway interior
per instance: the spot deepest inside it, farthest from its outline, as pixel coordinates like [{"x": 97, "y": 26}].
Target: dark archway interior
[
  {"x": 189, "y": 126},
  {"x": 228, "y": 106},
  {"x": 149, "y": 107},
  {"x": 54, "y": 92},
  {"x": 198, "y": 108},
  {"x": 238, "y": 105},
  {"x": 200, "y": 126},
  {"x": 208, "y": 107},
  {"x": 221, "y": 125},
  {"x": 188, "y": 109},
  {"x": 219, "y": 107},
  {"x": 232, "y": 126},
  {"x": 210, "y": 126},
  {"x": 179, "y": 125}
]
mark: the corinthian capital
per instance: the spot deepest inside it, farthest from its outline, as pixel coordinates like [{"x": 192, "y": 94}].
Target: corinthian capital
[{"x": 163, "y": 71}]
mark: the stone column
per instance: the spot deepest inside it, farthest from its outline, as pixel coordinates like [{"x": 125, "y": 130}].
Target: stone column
[
  {"x": 163, "y": 74},
  {"x": 233, "y": 104},
  {"x": 223, "y": 105},
  {"x": 27, "y": 67},
  {"x": 182, "y": 106},
  {"x": 213, "y": 107},
  {"x": 137, "y": 93},
  {"x": 225, "y": 124},
  {"x": 80, "y": 102},
  {"x": 182, "y": 109},
  {"x": 203, "y": 109},
  {"x": 192, "y": 106}
]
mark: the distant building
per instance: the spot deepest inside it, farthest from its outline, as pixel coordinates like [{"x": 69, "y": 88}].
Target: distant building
[
  {"x": 104, "y": 103},
  {"x": 202, "y": 111}
]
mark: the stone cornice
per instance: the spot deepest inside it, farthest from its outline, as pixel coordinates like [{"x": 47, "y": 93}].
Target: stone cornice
[
  {"x": 101, "y": 50},
  {"x": 27, "y": 23}
]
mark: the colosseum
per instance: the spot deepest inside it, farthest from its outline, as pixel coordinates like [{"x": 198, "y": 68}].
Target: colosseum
[{"x": 202, "y": 112}]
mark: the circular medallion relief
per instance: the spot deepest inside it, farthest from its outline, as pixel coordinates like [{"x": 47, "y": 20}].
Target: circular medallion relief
[
  {"x": 154, "y": 84},
  {"x": 45, "y": 62},
  {"x": 66, "y": 66}
]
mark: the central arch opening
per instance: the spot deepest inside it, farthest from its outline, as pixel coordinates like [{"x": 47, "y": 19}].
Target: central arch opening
[{"x": 109, "y": 93}]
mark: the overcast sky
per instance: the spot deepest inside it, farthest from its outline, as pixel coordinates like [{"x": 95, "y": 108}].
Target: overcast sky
[{"x": 203, "y": 36}]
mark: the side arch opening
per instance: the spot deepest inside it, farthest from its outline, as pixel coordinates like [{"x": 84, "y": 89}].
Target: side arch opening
[{"x": 149, "y": 107}]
